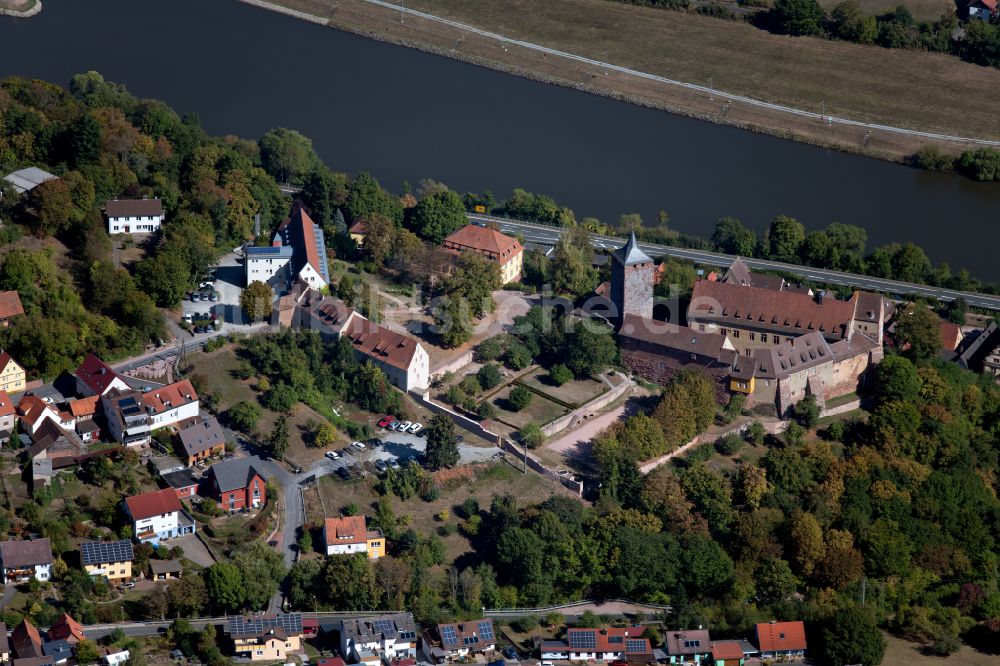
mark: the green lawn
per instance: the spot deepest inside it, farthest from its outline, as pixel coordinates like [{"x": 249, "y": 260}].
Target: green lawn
[
  {"x": 540, "y": 410},
  {"x": 575, "y": 392},
  {"x": 216, "y": 371}
]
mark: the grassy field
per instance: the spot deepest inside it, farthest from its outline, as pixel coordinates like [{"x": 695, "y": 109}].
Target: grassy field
[
  {"x": 539, "y": 410},
  {"x": 904, "y": 653},
  {"x": 932, "y": 92},
  {"x": 575, "y": 392}
]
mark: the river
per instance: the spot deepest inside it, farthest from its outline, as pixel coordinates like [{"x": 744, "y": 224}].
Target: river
[{"x": 402, "y": 114}]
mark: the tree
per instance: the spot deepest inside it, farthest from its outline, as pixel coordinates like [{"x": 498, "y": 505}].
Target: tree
[
  {"x": 474, "y": 281},
  {"x": 519, "y": 398},
  {"x": 442, "y": 449},
  {"x": 797, "y": 17},
  {"x": 165, "y": 277},
  {"x": 851, "y": 636},
  {"x": 87, "y": 652},
  {"x": 51, "y": 206},
  {"x": 785, "y": 236},
  {"x": 755, "y": 433},
  {"x": 256, "y": 301},
  {"x": 489, "y": 376},
  {"x": 732, "y": 237},
  {"x": 590, "y": 348},
  {"x": 326, "y": 435},
  {"x": 531, "y": 435},
  {"x": 85, "y": 140},
  {"x": 224, "y": 585},
  {"x": 560, "y": 374},
  {"x": 452, "y": 321},
  {"x": 957, "y": 310},
  {"x": 366, "y": 197},
  {"x": 278, "y": 439},
  {"x": 439, "y": 215},
  {"x": 909, "y": 263},
  {"x": 896, "y": 378},
  {"x": 262, "y": 569},
  {"x": 287, "y": 155},
  {"x": 244, "y": 415},
  {"x": 572, "y": 272},
  {"x": 918, "y": 332},
  {"x": 807, "y": 543},
  {"x": 851, "y": 24},
  {"x": 807, "y": 411},
  {"x": 752, "y": 485}
]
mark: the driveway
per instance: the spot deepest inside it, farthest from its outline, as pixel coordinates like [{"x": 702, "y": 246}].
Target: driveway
[{"x": 194, "y": 549}]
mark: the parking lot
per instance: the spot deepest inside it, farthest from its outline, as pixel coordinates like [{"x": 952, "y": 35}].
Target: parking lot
[
  {"x": 402, "y": 448},
  {"x": 227, "y": 285}
]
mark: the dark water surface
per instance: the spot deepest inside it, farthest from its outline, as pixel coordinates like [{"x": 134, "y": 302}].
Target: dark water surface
[{"x": 403, "y": 114}]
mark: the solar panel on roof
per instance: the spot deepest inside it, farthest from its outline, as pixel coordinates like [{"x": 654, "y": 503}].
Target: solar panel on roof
[
  {"x": 99, "y": 552},
  {"x": 486, "y": 631},
  {"x": 384, "y": 626},
  {"x": 448, "y": 636},
  {"x": 469, "y": 640},
  {"x": 635, "y": 645},
  {"x": 583, "y": 640}
]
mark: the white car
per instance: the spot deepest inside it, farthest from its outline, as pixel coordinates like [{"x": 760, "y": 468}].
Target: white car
[
  {"x": 404, "y": 426},
  {"x": 416, "y": 427},
  {"x": 188, "y": 318},
  {"x": 332, "y": 455},
  {"x": 359, "y": 445}
]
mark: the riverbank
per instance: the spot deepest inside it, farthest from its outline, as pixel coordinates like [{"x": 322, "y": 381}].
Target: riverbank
[
  {"x": 921, "y": 91},
  {"x": 20, "y": 8}
]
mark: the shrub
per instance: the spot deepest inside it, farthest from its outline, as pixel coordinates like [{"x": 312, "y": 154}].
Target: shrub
[
  {"x": 519, "y": 398},
  {"x": 729, "y": 445},
  {"x": 560, "y": 374},
  {"x": 470, "y": 385},
  {"x": 490, "y": 349},
  {"x": 933, "y": 159},
  {"x": 794, "y": 434},
  {"x": 807, "y": 411},
  {"x": 756, "y": 433},
  {"x": 486, "y": 410},
  {"x": 489, "y": 376},
  {"x": 836, "y": 431},
  {"x": 531, "y": 436},
  {"x": 518, "y": 357}
]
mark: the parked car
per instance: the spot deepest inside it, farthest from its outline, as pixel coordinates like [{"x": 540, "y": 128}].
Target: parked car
[
  {"x": 332, "y": 455},
  {"x": 381, "y": 466},
  {"x": 416, "y": 427},
  {"x": 404, "y": 426},
  {"x": 296, "y": 470},
  {"x": 195, "y": 297},
  {"x": 208, "y": 284},
  {"x": 385, "y": 421},
  {"x": 393, "y": 464},
  {"x": 375, "y": 441},
  {"x": 187, "y": 317},
  {"x": 126, "y": 586},
  {"x": 344, "y": 473},
  {"x": 459, "y": 438},
  {"x": 359, "y": 446},
  {"x": 213, "y": 296}
]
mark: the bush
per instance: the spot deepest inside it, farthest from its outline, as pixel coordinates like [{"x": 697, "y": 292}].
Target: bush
[
  {"x": 794, "y": 434},
  {"x": 531, "y": 436},
  {"x": 729, "y": 445},
  {"x": 486, "y": 410},
  {"x": 519, "y": 398},
  {"x": 560, "y": 374},
  {"x": 518, "y": 357},
  {"x": 716, "y": 10},
  {"x": 470, "y": 385},
  {"x": 807, "y": 411},
  {"x": 755, "y": 433},
  {"x": 836, "y": 431},
  {"x": 489, "y": 376},
  {"x": 932, "y": 159},
  {"x": 490, "y": 349}
]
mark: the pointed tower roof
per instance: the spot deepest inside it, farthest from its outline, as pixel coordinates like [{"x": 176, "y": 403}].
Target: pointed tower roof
[{"x": 630, "y": 253}]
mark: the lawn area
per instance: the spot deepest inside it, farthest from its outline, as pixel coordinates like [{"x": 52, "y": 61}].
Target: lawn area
[
  {"x": 904, "y": 653},
  {"x": 217, "y": 371},
  {"x": 496, "y": 479},
  {"x": 540, "y": 410},
  {"x": 575, "y": 392}
]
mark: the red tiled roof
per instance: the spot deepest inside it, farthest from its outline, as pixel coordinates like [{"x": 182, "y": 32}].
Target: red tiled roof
[
  {"x": 31, "y": 408},
  {"x": 302, "y": 218},
  {"x": 380, "y": 343},
  {"x": 6, "y": 405},
  {"x": 96, "y": 374},
  {"x": 771, "y": 310},
  {"x": 727, "y": 650},
  {"x": 10, "y": 304},
  {"x": 66, "y": 628},
  {"x": 156, "y": 503},
  {"x": 26, "y": 640},
  {"x": 951, "y": 335},
  {"x": 5, "y": 358},
  {"x": 329, "y": 661},
  {"x": 360, "y": 226},
  {"x": 486, "y": 241},
  {"x": 170, "y": 396},
  {"x": 346, "y": 529},
  {"x": 84, "y": 406},
  {"x": 781, "y": 636}
]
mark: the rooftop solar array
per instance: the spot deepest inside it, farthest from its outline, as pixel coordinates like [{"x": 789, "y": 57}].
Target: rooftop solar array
[
  {"x": 256, "y": 625},
  {"x": 448, "y": 636},
  {"x": 384, "y": 626},
  {"x": 486, "y": 631},
  {"x": 584, "y": 640},
  {"x": 407, "y": 635},
  {"x": 100, "y": 552},
  {"x": 635, "y": 645},
  {"x": 616, "y": 639}
]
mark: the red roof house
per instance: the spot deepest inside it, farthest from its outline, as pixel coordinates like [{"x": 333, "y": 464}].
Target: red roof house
[
  {"x": 66, "y": 629},
  {"x": 781, "y": 639},
  {"x": 10, "y": 307},
  {"x": 156, "y": 503},
  {"x": 95, "y": 377}
]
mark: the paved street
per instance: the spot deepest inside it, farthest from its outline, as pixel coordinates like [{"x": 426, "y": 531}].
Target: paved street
[{"x": 549, "y": 235}]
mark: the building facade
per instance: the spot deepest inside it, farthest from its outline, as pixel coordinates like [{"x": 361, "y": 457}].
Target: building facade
[
  {"x": 347, "y": 535},
  {"x": 157, "y": 516},
  {"x": 128, "y": 421},
  {"x": 265, "y": 637},
  {"x": 238, "y": 483},
  {"x": 23, "y": 560},
  {"x": 171, "y": 404},
  {"x": 269, "y": 265},
  {"x": 388, "y": 636},
  {"x": 632, "y": 278},
  {"x": 110, "y": 559},
  {"x": 12, "y": 377},
  {"x": 504, "y": 251},
  {"x": 133, "y": 216}
]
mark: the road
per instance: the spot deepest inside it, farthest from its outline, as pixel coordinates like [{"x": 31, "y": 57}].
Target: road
[
  {"x": 730, "y": 97},
  {"x": 548, "y": 235}
]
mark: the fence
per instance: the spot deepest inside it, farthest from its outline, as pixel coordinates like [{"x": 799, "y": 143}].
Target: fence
[
  {"x": 456, "y": 363},
  {"x": 587, "y": 410}
]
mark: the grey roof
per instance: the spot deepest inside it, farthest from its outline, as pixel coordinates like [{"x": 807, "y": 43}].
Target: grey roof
[
  {"x": 164, "y": 464},
  {"x": 630, "y": 253},
  {"x": 979, "y": 348},
  {"x": 182, "y": 478},
  {"x": 4, "y": 644},
  {"x": 166, "y": 566},
  {"x": 688, "y": 642},
  {"x": 234, "y": 473},
  {"x": 99, "y": 552},
  {"x": 202, "y": 436},
  {"x": 398, "y": 626},
  {"x": 25, "y": 553},
  {"x": 28, "y": 179},
  {"x": 59, "y": 650}
]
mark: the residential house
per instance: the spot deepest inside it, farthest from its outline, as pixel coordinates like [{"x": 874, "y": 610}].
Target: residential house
[
  {"x": 327, "y": 315},
  {"x": 171, "y": 404},
  {"x": 692, "y": 646},
  {"x": 157, "y": 516},
  {"x": 350, "y": 534},
  {"x": 23, "y": 560},
  {"x": 202, "y": 439},
  {"x": 608, "y": 644},
  {"x": 114, "y": 656},
  {"x": 184, "y": 483},
  {"x": 458, "y": 640},
  {"x": 111, "y": 559},
  {"x": 981, "y": 10},
  {"x": 83, "y": 411},
  {"x": 133, "y": 216},
  {"x": 10, "y": 307},
  {"x": 88, "y": 431},
  {"x": 51, "y": 442},
  {"x": 59, "y": 651},
  {"x": 308, "y": 261},
  {"x": 504, "y": 251},
  {"x": 951, "y": 335},
  {"x": 727, "y": 653},
  {"x": 26, "y": 641},
  {"x": 784, "y": 374},
  {"x": 34, "y": 661},
  {"x": 12, "y": 377},
  {"x": 982, "y": 354},
  {"x": 95, "y": 377},
  {"x": 8, "y": 414},
  {"x": 358, "y": 231},
  {"x": 656, "y": 351},
  {"x": 403, "y": 360},
  {"x": 270, "y": 264},
  {"x": 166, "y": 569},
  {"x": 265, "y": 637},
  {"x": 65, "y": 628},
  {"x": 128, "y": 420},
  {"x": 32, "y": 412},
  {"x": 25, "y": 180},
  {"x": 238, "y": 483},
  {"x": 388, "y": 636},
  {"x": 781, "y": 640}
]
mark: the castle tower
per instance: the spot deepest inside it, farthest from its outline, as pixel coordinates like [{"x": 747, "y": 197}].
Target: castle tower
[{"x": 632, "y": 280}]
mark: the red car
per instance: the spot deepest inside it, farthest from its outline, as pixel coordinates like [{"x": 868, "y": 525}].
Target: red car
[{"x": 386, "y": 420}]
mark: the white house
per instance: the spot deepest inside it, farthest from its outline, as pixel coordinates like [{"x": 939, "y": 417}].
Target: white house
[
  {"x": 171, "y": 404},
  {"x": 403, "y": 360},
  {"x": 390, "y": 636},
  {"x": 158, "y": 515},
  {"x": 23, "y": 560},
  {"x": 308, "y": 248},
  {"x": 347, "y": 535},
  {"x": 267, "y": 264},
  {"x": 95, "y": 377},
  {"x": 127, "y": 417},
  {"x": 458, "y": 640},
  {"x": 134, "y": 216}
]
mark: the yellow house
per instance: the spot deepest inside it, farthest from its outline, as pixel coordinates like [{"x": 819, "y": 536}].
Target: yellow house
[
  {"x": 11, "y": 374},
  {"x": 111, "y": 559},
  {"x": 358, "y": 231},
  {"x": 376, "y": 545},
  {"x": 266, "y": 637},
  {"x": 502, "y": 250}
]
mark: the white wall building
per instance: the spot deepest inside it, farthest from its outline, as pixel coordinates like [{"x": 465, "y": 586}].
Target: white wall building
[
  {"x": 134, "y": 216},
  {"x": 267, "y": 264},
  {"x": 158, "y": 515},
  {"x": 171, "y": 404},
  {"x": 21, "y": 561}
]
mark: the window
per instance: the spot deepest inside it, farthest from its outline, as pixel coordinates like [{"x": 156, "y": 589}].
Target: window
[
  {"x": 753, "y": 336},
  {"x": 701, "y": 327},
  {"x": 775, "y": 339},
  {"x": 749, "y": 352},
  {"x": 724, "y": 331},
  {"x": 736, "y": 333}
]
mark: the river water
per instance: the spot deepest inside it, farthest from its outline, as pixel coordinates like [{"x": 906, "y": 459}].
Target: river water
[{"x": 405, "y": 115}]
